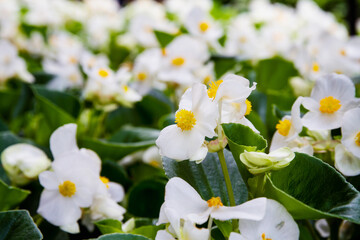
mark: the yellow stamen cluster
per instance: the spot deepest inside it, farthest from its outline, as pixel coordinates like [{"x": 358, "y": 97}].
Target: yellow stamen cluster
[
  {"x": 105, "y": 181},
  {"x": 213, "y": 87},
  {"x": 103, "y": 73},
  {"x": 243, "y": 39},
  {"x": 248, "y": 107},
  {"x": 178, "y": 61},
  {"x": 204, "y": 26},
  {"x": 163, "y": 51},
  {"x": 141, "y": 76},
  {"x": 214, "y": 202},
  {"x": 329, "y": 105},
  {"x": 126, "y": 88},
  {"x": 357, "y": 139},
  {"x": 343, "y": 52},
  {"x": 67, "y": 189},
  {"x": 72, "y": 60},
  {"x": 283, "y": 127},
  {"x": 264, "y": 238},
  {"x": 315, "y": 67},
  {"x": 185, "y": 119}
]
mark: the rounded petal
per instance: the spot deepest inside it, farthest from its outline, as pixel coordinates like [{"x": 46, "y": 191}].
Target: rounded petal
[
  {"x": 323, "y": 228},
  {"x": 236, "y": 236},
  {"x": 63, "y": 140},
  {"x": 250, "y": 210},
  {"x": 164, "y": 235},
  {"x": 192, "y": 232},
  {"x": 177, "y": 144},
  {"x": 71, "y": 228},
  {"x": 349, "y": 129},
  {"x": 49, "y": 180},
  {"x": 116, "y": 191},
  {"x": 320, "y": 121},
  {"x": 346, "y": 162}
]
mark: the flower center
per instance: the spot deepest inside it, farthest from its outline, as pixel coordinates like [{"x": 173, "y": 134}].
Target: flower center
[
  {"x": 329, "y": 105},
  {"x": 163, "y": 51},
  {"x": 343, "y": 52},
  {"x": 67, "y": 189},
  {"x": 204, "y": 26},
  {"x": 72, "y": 60},
  {"x": 213, "y": 87},
  {"x": 357, "y": 139},
  {"x": 283, "y": 127},
  {"x": 214, "y": 202},
  {"x": 105, "y": 181},
  {"x": 126, "y": 88},
  {"x": 141, "y": 76},
  {"x": 263, "y": 237},
  {"x": 248, "y": 107},
  {"x": 178, "y": 61},
  {"x": 315, "y": 67},
  {"x": 185, "y": 119},
  {"x": 103, "y": 73}
]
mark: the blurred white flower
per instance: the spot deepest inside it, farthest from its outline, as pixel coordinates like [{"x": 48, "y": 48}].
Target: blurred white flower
[{"x": 350, "y": 130}]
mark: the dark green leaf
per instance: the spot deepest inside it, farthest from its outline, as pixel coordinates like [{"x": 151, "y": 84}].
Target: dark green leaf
[
  {"x": 146, "y": 198},
  {"x": 148, "y": 231},
  {"x": 311, "y": 189},
  {"x": 207, "y": 177},
  {"x": 115, "y": 173},
  {"x": 107, "y": 226},
  {"x": 122, "y": 236},
  {"x": 223, "y": 65},
  {"x": 7, "y": 99},
  {"x": 18, "y": 225},
  {"x": 163, "y": 38},
  {"x": 129, "y": 134},
  {"x": 225, "y": 227},
  {"x": 11, "y": 196}
]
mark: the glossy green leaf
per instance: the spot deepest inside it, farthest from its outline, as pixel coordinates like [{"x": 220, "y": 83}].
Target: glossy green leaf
[
  {"x": 122, "y": 236},
  {"x": 241, "y": 138},
  {"x": 311, "y": 189},
  {"x": 148, "y": 231},
  {"x": 18, "y": 225},
  {"x": 107, "y": 226},
  {"x": 223, "y": 65},
  {"x": 207, "y": 177},
  {"x": 11, "y": 196},
  {"x": 146, "y": 197},
  {"x": 59, "y": 108},
  {"x": 163, "y": 38},
  {"x": 225, "y": 227},
  {"x": 134, "y": 134},
  {"x": 7, "y": 99}
]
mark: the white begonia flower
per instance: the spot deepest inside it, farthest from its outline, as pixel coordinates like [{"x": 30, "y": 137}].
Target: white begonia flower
[
  {"x": 179, "y": 228},
  {"x": 104, "y": 207},
  {"x": 72, "y": 183},
  {"x": 346, "y": 162},
  {"x": 151, "y": 156},
  {"x": 276, "y": 224},
  {"x": 258, "y": 162},
  {"x": 331, "y": 97},
  {"x": 24, "y": 162},
  {"x": 183, "y": 199},
  {"x": 89, "y": 61},
  {"x": 288, "y": 127},
  {"x": 350, "y": 130},
  {"x": 183, "y": 7},
  {"x": 182, "y": 56},
  {"x": 195, "y": 120},
  {"x": 201, "y": 25}
]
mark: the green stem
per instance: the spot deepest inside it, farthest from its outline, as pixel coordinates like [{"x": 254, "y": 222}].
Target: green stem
[{"x": 210, "y": 226}]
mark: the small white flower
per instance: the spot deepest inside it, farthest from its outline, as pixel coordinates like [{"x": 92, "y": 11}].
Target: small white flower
[
  {"x": 350, "y": 130},
  {"x": 259, "y": 162},
  {"x": 24, "y": 162},
  {"x": 331, "y": 97},
  {"x": 276, "y": 224},
  {"x": 181, "y": 198},
  {"x": 347, "y": 163},
  {"x": 195, "y": 120}
]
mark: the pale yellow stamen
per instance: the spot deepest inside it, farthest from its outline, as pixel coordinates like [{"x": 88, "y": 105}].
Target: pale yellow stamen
[
  {"x": 72, "y": 60},
  {"x": 142, "y": 76},
  {"x": 243, "y": 39},
  {"x": 207, "y": 79},
  {"x": 343, "y": 52},
  {"x": 357, "y": 139},
  {"x": 154, "y": 163},
  {"x": 315, "y": 67},
  {"x": 204, "y": 26},
  {"x": 185, "y": 119},
  {"x": 329, "y": 105},
  {"x": 73, "y": 78},
  {"x": 126, "y": 88},
  {"x": 105, "y": 181},
  {"x": 178, "y": 61},
  {"x": 283, "y": 127},
  {"x": 213, "y": 87},
  {"x": 163, "y": 51},
  {"x": 263, "y": 237},
  {"x": 103, "y": 73},
  {"x": 248, "y": 107},
  {"x": 215, "y": 202},
  {"x": 67, "y": 189}
]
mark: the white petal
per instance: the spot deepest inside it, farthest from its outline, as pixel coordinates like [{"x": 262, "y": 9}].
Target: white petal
[
  {"x": 164, "y": 235},
  {"x": 278, "y": 141},
  {"x": 49, "y": 180},
  {"x": 71, "y": 228},
  {"x": 322, "y": 121},
  {"x": 349, "y": 129},
  {"x": 310, "y": 104},
  {"x": 181, "y": 197},
  {"x": 296, "y": 116},
  {"x": 63, "y": 140},
  {"x": 192, "y": 232},
  {"x": 116, "y": 191},
  {"x": 200, "y": 155},
  {"x": 252, "y": 210},
  {"x": 345, "y": 162},
  {"x": 236, "y": 236},
  {"x": 323, "y": 228},
  {"x": 276, "y": 224}
]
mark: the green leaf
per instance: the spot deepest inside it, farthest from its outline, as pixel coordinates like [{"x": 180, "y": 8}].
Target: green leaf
[
  {"x": 113, "y": 150},
  {"x": 163, "y": 38},
  {"x": 311, "y": 189},
  {"x": 11, "y": 196},
  {"x": 207, "y": 177},
  {"x": 146, "y": 197},
  {"x": 59, "y": 108},
  {"x": 7, "y": 99},
  {"x": 3, "y": 126},
  {"x": 134, "y": 134},
  {"x": 107, "y": 226},
  {"x": 223, "y": 65},
  {"x": 241, "y": 138},
  {"x": 18, "y": 225},
  {"x": 115, "y": 173},
  {"x": 122, "y": 236},
  {"x": 148, "y": 231},
  {"x": 225, "y": 227}
]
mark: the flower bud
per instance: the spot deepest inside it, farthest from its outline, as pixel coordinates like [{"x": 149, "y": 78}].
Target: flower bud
[
  {"x": 258, "y": 162},
  {"x": 24, "y": 162},
  {"x": 216, "y": 145}
]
